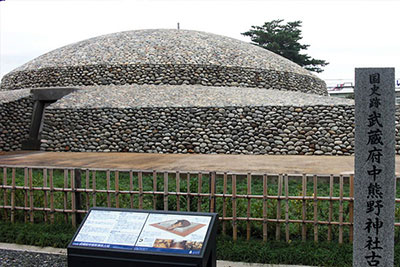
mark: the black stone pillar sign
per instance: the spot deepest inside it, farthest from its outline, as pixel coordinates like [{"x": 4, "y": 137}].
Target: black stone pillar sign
[{"x": 127, "y": 237}]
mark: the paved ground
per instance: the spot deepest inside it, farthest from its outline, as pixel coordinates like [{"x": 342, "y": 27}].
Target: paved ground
[{"x": 15, "y": 255}]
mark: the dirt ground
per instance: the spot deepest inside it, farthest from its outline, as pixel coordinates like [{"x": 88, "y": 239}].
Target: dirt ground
[{"x": 186, "y": 162}]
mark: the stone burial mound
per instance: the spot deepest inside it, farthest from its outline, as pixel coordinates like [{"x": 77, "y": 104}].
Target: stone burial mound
[{"x": 171, "y": 91}]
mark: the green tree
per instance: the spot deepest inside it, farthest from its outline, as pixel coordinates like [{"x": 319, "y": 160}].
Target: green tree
[{"x": 283, "y": 39}]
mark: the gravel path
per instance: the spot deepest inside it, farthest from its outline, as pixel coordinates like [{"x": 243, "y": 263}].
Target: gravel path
[
  {"x": 179, "y": 96},
  {"x": 31, "y": 259},
  {"x": 24, "y": 258},
  {"x": 189, "y": 96}
]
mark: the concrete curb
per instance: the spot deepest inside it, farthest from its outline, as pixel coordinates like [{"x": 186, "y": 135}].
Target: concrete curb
[
  {"x": 63, "y": 251},
  {"x": 48, "y": 250}
]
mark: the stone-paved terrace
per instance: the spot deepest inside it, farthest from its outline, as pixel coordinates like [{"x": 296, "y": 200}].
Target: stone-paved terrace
[
  {"x": 189, "y": 96},
  {"x": 10, "y": 96}
]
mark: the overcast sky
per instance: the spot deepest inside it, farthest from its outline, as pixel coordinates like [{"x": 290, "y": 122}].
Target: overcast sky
[{"x": 347, "y": 34}]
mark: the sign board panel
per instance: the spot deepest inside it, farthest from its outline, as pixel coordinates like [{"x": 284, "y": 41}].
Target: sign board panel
[
  {"x": 148, "y": 238},
  {"x": 141, "y": 231},
  {"x": 111, "y": 229}
]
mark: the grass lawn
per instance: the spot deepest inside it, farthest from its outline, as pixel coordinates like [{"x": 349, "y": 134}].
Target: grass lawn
[{"x": 255, "y": 250}]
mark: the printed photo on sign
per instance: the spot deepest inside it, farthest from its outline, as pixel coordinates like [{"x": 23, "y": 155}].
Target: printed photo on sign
[
  {"x": 170, "y": 243},
  {"x": 182, "y": 234},
  {"x": 180, "y": 227}
]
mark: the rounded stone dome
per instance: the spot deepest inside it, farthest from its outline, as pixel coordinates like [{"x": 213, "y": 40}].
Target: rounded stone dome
[{"x": 171, "y": 57}]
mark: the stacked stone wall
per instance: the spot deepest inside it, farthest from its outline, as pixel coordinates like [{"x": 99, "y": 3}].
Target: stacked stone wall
[
  {"x": 15, "y": 119},
  {"x": 207, "y": 75},
  {"x": 306, "y": 130}
]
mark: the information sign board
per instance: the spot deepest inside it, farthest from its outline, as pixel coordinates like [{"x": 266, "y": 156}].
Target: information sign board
[{"x": 127, "y": 236}]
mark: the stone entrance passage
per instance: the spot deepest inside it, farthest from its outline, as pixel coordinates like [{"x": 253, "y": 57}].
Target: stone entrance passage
[{"x": 42, "y": 97}]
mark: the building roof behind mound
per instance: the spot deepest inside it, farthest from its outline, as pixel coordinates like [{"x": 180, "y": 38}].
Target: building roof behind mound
[
  {"x": 162, "y": 46},
  {"x": 142, "y": 96}
]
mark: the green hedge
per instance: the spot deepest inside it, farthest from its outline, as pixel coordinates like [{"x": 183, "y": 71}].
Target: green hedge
[
  {"x": 57, "y": 235},
  {"x": 257, "y": 251}
]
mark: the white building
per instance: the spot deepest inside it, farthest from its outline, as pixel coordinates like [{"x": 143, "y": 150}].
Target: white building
[{"x": 345, "y": 88}]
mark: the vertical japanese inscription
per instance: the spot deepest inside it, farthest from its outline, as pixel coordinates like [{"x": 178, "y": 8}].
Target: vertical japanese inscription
[{"x": 374, "y": 167}]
